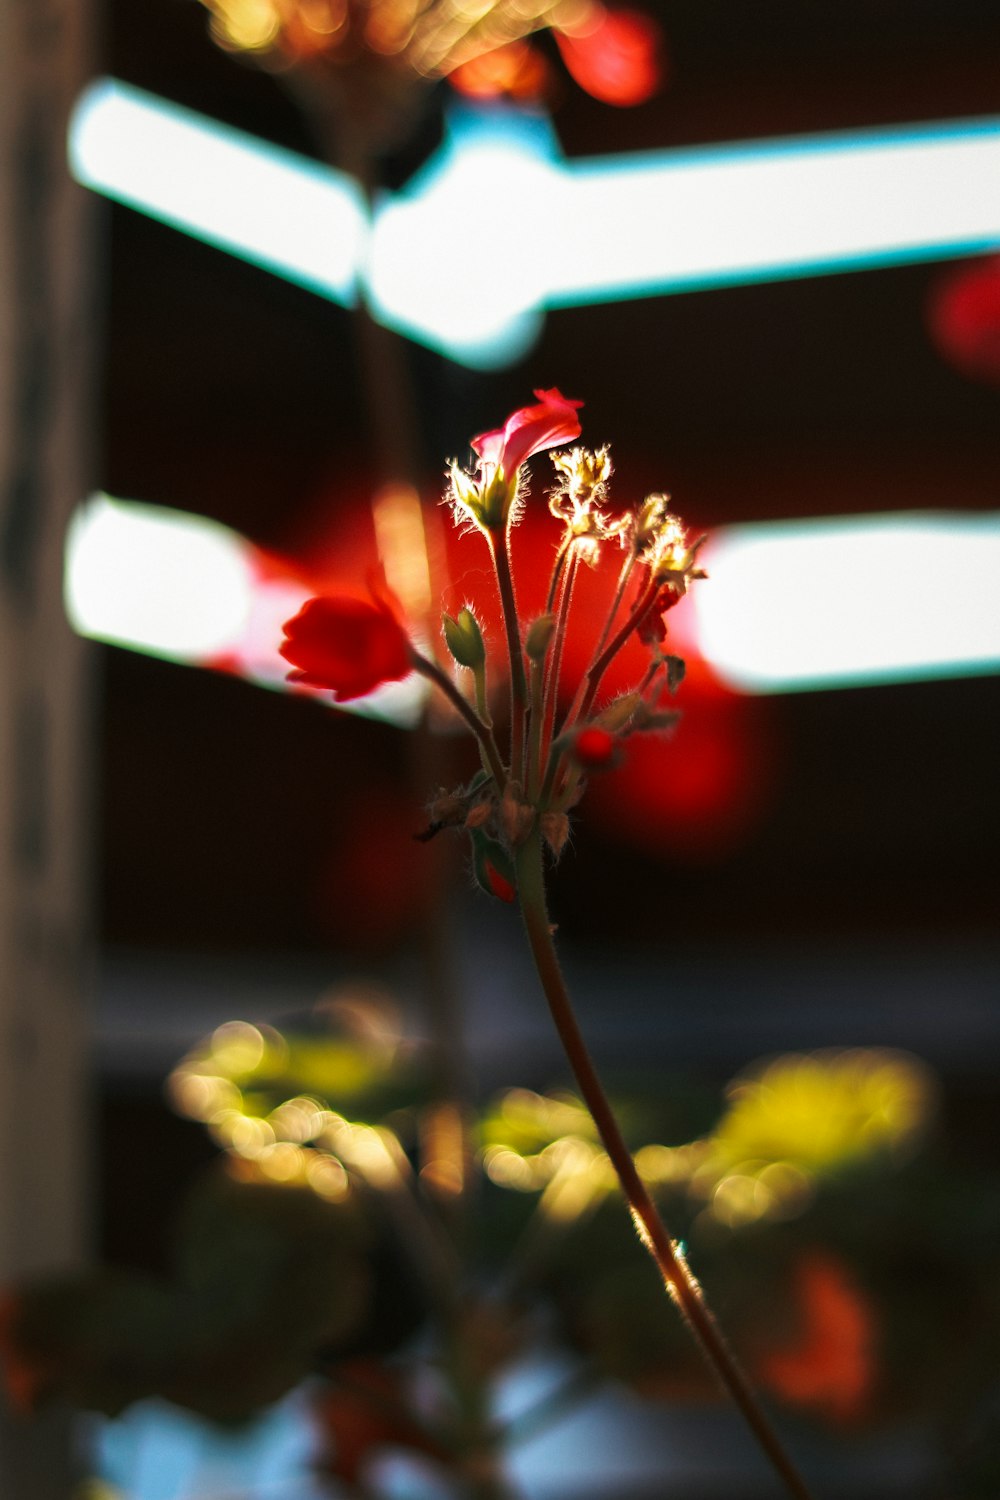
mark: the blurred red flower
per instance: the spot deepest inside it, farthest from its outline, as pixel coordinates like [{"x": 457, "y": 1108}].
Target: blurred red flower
[
  {"x": 367, "y": 1409},
  {"x": 830, "y": 1366},
  {"x": 616, "y": 57},
  {"x": 964, "y": 316},
  {"x": 351, "y": 646},
  {"x": 595, "y": 749}
]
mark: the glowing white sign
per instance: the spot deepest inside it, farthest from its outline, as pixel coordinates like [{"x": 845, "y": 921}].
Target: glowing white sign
[{"x": 497, "y": 227}]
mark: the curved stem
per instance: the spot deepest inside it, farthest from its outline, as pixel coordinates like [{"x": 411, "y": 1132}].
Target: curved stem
[
  {"x": 679, "y": 1281},
  {"x": 483, "y": 733}
]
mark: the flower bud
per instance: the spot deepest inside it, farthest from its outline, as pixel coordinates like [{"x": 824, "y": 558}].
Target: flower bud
[
  {"x": 539, "y": 637},
  {"x": 497, "y": 497},
  {"x": 492, "y": 867},
  {"x": 464, "y": 638},
  {"x": 618, "y": 713},
  {"x": 488, "y": 501},
  {"x": 651, "y": 520}
]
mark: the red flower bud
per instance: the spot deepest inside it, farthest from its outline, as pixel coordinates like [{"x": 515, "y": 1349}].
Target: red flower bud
[
  {"x": 595, "y": 749},
  {"x": 499, "y": 885},
  {"x": 351, "y": 646},
  {"x": 492, "y": 867}
]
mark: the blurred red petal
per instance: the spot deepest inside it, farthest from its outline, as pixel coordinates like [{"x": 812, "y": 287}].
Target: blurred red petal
[
  {"x": 516, "y": 71},
  {"x": 618, "y": 58},
  {"x": 830, "y": 1367},
  {"x": 964, "y": 316}
]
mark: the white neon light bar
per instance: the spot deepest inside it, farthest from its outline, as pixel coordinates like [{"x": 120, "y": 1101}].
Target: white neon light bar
[
  {"x": 852, "y": 600},
  {"x": 789, "y": 606},
  {"x": 473, "y": 289},
  {"x": 496, "y": 228},
  {"x": 666, "y": 221},
  {"x": 271, "y": 207}
]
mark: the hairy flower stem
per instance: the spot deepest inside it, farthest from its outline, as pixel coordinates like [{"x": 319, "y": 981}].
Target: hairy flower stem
[
  {"x": 670, "y": 1262},
  {"x": 482, "y": 697},
  {"x": 518, "y": 680},
  {"x": 535, "y": 718},
  {"x": 620, "y": 588},
  {"x": 592, "y": 679},
  {"x": 555, "y": 656},
  {"x": 483, "y": 733}
]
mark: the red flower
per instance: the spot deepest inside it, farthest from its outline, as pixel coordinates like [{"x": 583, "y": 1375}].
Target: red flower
[
  {"x": 529, "y": 430},
  {"x": 351, "y": 646},
  {"x": 614, "y": 55}
]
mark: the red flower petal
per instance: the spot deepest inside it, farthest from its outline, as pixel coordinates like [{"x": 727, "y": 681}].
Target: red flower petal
[
  {"x": 529, "y": 430},
  {"x": 348, "y": 645},
  {"x": 831, "y": 1365},
  {"x": 616, "y": 58}
]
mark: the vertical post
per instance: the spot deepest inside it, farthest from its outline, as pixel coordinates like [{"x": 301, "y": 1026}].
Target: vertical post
[{"x": 46, "y": 418}]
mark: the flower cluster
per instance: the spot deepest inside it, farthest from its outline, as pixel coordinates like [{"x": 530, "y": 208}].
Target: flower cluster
[{"x": 557, "y": 731}]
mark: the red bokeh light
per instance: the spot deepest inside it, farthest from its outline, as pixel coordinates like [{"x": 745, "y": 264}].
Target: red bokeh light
[
  {"x": 517, "y": 71},
  {"x": 617, "y": 57},
  {"x": 964, "y": 317}
]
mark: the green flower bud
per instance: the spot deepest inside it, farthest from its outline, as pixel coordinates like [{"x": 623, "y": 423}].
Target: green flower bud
[
  {"x": 618, "y": 713},
  {"x": 464, "y": 638},
  {"x": 488, "y": 502},
  {"x": 496, "y": 498},
  {"x": 539, "y": 637}
]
